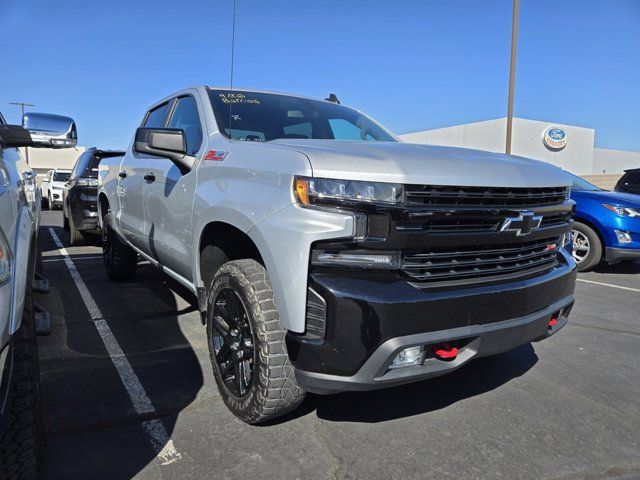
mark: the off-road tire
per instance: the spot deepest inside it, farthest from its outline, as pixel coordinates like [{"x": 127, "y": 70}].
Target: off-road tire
[
  {"x": 274, "y": 390},
  {"x": 22, "y": 441},
  {"x": 120, "y": 260},
  {"x": 76, "y": 237},
  {"x": 595, "y": 253}
]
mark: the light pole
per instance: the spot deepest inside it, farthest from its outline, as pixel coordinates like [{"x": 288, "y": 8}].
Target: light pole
[
  {"x": 512, "y": 75},
  {"x": 22, "y": 105}
]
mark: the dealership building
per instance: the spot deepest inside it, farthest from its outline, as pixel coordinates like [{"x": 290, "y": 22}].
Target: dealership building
[{"x": 567, "y": 146}]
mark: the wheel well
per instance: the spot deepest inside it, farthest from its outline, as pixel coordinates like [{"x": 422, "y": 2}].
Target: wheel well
[
  {"x": 595, "y": 229},
  {"x": 220, "y": 243}
]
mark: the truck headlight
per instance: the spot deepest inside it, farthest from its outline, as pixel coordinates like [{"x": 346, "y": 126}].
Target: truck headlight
[
  {"x": 357, "y": 258},
  {"x": 624, "y": 211},
  {"x": 5, "y": 260},
  {"x": 312, "y": 191}
]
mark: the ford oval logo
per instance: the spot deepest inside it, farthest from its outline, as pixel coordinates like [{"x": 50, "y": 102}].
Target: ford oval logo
[{"x": 555, "y": 138}]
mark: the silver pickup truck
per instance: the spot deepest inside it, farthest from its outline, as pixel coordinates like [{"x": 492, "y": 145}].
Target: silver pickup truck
[
  {"x": 325, "y": 254},
  {"x": 20, "y": 423}
]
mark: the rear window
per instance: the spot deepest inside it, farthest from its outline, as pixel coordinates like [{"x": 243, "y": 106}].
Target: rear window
[
  {"x": 87, "y": 166},
  {"x": 632, "y": 178}
]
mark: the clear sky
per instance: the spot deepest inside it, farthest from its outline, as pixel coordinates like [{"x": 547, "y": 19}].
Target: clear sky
[{"x": 413, "y": 65}]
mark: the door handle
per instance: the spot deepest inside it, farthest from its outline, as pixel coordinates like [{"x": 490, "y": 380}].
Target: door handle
[
  {"x": 122, "y": 174},
  {"x": 150, "y": 177}
]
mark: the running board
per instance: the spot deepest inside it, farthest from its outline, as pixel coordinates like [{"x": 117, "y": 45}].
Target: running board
[
  {"x": 43, "y": 320},
  {"x": 40, "y": 284}
]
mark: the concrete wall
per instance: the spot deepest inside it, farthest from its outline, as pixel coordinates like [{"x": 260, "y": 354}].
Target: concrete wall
[
  {"x": 488, "y": 135},
  {"x": 576, "y": 157},
  {"x": 606, "y": 182},
  {"x": 44, "y": 159},
  {"x": 610, "y": 161}
]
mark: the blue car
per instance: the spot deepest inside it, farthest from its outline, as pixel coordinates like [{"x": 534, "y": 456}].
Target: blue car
[{"x": 606, "y": 227}]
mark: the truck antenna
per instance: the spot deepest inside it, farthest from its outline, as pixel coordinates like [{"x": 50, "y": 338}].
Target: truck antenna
[
  {"x": 233, "y": 47},
  {"x": 233, "y": 41},
  {"x": 333, "y": 99}
]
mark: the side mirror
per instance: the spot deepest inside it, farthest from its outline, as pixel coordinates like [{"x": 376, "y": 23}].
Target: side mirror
[
  {"x": 164, "y": 142},
  {"x": 14, "y": 136},
  {"x": 50, "y": 131}
]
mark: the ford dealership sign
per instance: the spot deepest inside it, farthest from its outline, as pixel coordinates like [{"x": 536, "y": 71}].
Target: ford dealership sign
[{"x": 555, "y": 138}]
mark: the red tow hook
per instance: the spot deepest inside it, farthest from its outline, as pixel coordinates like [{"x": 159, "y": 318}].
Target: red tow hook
[
  {"x": 445, "y": 351},
  {"x": 553, "y": 321}
]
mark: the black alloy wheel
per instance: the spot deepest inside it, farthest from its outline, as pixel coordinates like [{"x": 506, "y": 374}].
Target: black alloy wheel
[{"x": 233, "y": 342}]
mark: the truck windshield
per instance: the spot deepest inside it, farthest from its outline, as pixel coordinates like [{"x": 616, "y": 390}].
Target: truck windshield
[
  {"x": 61, "y": 176},
  {"x": 261, "y": 117},
  {"x": 581, "y": 185}
]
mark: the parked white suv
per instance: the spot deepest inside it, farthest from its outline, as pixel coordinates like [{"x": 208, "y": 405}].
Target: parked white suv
[
  {"x": 53, "y": 185},
  {"x": 328, "y": 256}
]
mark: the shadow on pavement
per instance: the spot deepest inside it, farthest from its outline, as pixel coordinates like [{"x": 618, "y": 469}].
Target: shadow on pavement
[
  {"x": 618, "y": 268},
  {"x": 92, "y": 426},
  {"x": 475, "y": 378}
]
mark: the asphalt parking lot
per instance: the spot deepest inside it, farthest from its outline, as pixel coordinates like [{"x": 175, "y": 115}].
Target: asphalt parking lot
[{"x": 567, "y": 408}]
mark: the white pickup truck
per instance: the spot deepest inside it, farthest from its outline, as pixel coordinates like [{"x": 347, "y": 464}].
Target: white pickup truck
[
  {"x": 21, "y": 432},
  {"x": 325, "y": 254}
]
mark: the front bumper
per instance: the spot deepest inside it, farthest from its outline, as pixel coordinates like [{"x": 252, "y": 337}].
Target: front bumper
[
  {"x": 614, "y": 254},
  {"x": 479, "y": 341},
  {"x": 370, "y": 320}
]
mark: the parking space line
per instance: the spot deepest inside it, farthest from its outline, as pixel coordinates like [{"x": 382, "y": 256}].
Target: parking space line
[
  {"x": 609, "y": 285},
  {"x": 156, "y": 430}
]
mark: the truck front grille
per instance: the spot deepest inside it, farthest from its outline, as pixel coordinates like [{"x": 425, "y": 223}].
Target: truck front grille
[
  {"x": 470, "y": 224},
  {"x": 439, "y": 264},
  {"x": 439, "y": 196}
]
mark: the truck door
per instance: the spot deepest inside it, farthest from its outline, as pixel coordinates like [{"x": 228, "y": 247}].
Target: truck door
[
  {"x": 169, "y": 197},
  {"x": 132, "y": 215}
]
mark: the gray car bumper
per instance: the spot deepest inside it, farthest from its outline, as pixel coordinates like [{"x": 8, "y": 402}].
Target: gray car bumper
[{"x": 479, "y": 341}]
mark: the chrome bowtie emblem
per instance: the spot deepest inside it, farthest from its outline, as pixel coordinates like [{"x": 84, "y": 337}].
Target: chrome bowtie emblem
[{"x": 526, "y": 223}]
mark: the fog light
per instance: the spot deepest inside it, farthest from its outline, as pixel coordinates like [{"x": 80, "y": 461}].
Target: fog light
[
  {"x": 408, "y": 356},
  {"x": 623, "y": 237}
]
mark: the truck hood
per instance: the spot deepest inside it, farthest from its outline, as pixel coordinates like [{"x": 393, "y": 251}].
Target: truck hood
[{"x": 423, "y": 164}]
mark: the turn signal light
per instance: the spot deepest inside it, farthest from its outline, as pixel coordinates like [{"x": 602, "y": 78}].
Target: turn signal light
[{"x": 302, "y": 190}]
